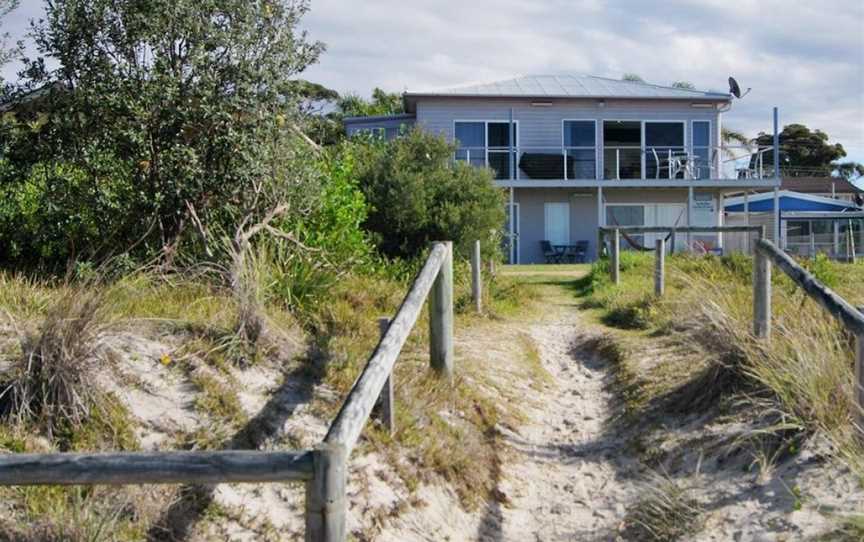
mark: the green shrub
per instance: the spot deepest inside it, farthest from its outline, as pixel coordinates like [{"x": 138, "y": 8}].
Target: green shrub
[{"x": 417, "y": 194}]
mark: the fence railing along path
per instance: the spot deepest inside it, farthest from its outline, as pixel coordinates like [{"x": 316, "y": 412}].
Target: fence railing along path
[
  {"x": 766, "y": 255},
  {"x": 323, "y": 469}
]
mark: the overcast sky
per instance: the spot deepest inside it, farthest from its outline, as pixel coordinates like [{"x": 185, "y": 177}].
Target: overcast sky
[{"x": 805, "y": 57}]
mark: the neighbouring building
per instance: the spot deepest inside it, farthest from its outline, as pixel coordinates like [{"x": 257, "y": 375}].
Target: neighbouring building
[{"x": 575, "y": 152}]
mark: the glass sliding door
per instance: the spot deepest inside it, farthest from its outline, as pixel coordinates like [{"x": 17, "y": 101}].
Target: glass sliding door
[
  {"x": 665, "y": 153},
  {"x": 580, "y": 149},
  {"x": 703, "y": 165},
  {"x": 471, "y": 142},
  {"x": 501, "y": 138},
  {"x": 622, "y": 149}
]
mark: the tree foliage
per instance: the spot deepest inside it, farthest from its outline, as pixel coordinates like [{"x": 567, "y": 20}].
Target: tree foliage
[
  {"x": 382, "y": 103},
  {"x": 632, "y": 77},
  {"x": 161, "y": 117},
  {"x": 804, "y": 152},
  {"x": 687, "y": 85},
  {"x": 417, "y": 195}
]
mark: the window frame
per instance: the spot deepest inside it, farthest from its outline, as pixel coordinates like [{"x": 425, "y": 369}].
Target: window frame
[
  {"x": 486, "y": 122},
  {"x": 565, "y": 148}
]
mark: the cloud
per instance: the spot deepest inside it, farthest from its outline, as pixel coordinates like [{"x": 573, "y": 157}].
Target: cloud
[{"x": 807, "y": 58}]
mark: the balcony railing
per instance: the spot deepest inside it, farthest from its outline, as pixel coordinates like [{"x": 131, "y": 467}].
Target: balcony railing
[{"x": 621, "y": 162}]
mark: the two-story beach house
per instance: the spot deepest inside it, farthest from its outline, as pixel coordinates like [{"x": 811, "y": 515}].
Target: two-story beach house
[{"x": 575, "y": 152}]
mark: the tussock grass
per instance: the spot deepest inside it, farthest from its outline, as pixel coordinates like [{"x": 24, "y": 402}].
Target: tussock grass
[
  {"x": 666, "y": 512},
  {"x": 800, "y": 381},
  {"x": 51, "y": 383}
]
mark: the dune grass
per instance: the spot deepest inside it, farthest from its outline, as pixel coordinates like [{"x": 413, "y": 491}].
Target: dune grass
[{"x": 802, "y": 379}]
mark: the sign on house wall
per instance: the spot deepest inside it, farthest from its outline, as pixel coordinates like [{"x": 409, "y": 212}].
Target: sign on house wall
[{"x": 704, "y": 210}]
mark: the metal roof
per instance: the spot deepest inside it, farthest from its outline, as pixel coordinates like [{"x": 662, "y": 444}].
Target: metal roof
[
  {"x": 572, "y": 86},
  {"x": 789, "y": 201}
]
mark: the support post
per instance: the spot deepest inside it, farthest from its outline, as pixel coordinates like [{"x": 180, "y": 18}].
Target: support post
[
  {"x": 476, "y": 278},
  {"x": 812, "y": 242},
  {"x": 659, "y": 267},
  {"x": 325, "y": 495},
  {"x": 858, "y": 405},
  {"x": 747, "y": 217},
  {"x": 511, "y": 245},
  {"x": 689, "y": 217},
  {"x": 441, "y": 318},
  {"x": 616, "y": 257},
  {"x": 600, "y": 222},
  {"x": 761, "y": 296},
  {"x": 777, "y": 177},
  {"x": 386, "y": 401},
  {"x": 601, "y": 237}
]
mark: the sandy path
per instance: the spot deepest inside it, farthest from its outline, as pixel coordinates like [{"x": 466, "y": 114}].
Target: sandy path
[{"x": 565, "y": 480}]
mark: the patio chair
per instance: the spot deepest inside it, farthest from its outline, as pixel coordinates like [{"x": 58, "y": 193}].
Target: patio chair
[
  {"x": 550, "y": 253},
  {"x": 579, "y": 253}
]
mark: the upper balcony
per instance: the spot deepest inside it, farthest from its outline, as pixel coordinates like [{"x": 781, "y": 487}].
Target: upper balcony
[
  {"x": 609, "y": 152},
  {"x": 624, "y": 164}
]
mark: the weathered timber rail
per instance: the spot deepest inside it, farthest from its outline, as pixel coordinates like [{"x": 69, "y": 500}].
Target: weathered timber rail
[
  {"x": 615, "y": 252},
  {"x": 323, "y": 469},
  {"x": 851, "y": 318}
]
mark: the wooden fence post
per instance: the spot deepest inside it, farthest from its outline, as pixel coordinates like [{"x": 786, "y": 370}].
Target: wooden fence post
[
  {"x": 601, "y": 238},
  {"x": 386, "y": 403},
  {"x": 761, "y": 295},
  {"x": 476, "y": 277},
  {"x": 616, "y": 257},
  {"x": 325, "y": 495},
  {"x": 441, "y": 317},
  {"x": 659, "y": 267}
]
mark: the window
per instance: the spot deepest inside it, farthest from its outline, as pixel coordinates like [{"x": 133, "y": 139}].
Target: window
[
  {"x": 702, "y": 166},
  {"x": 374, "y": 132},
  {"x": 626, "y": 215},
  {"x": 664, "y": 149},
  {"x": 580, "y": 149},
  {"x": 622, "y": 149},
  {"x": 487, "y": 143}
]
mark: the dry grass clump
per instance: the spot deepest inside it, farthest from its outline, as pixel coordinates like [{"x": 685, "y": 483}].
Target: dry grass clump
[
  {"x": 805, "y": 373},
  {"x": 666, "y": 512},
  {"x": 52, "y": 382}
]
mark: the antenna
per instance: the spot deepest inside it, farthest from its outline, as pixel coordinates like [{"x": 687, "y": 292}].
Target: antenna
[{"x": 735, "y": 90}]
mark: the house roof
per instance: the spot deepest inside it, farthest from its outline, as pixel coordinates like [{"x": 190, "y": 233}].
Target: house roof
[
  {"x": 570, "y": 86},
  {"x": 819, "y": 185},
  {"x": 789, "y": 201}
]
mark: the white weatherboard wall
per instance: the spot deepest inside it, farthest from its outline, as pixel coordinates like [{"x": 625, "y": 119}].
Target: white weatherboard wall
[{"x": 542, "y": 126}]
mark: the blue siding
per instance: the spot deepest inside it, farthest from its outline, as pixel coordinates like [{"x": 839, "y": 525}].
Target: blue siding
[{"x": 790, "y": 204}]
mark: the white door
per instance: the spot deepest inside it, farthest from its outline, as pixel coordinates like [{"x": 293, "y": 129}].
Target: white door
[{"x": 557, "y": 222}]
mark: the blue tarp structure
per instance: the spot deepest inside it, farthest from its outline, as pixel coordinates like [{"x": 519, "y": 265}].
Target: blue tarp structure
[{"x": 789, "y": 201}]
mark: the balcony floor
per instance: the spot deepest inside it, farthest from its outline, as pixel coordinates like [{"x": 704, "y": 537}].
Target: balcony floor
[{"x": 638, "y": 183}]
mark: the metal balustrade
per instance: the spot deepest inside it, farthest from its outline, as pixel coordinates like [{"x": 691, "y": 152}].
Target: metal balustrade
[{"x": 621, "y": 162}]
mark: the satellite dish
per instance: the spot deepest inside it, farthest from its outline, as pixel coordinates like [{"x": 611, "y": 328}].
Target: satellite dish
[{"x": 735, "y": 90}]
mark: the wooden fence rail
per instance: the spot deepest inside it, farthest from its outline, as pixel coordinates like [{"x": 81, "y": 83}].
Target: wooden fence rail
[
  {"x": 616, "y": 232},
  {"x": 766, "y": 254},
  {"x": 324, "y": 469},
  {"x": 851, "y": 318}
]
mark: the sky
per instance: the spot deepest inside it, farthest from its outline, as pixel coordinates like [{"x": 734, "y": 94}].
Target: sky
[{"x": 805, "y": 57}]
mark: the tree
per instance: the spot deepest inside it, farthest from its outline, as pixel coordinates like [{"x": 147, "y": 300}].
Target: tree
[
  {"x": 416, "y": 195},
  {"x": 803, "y": 152},
  {"x": 382, "y": 103},
  {"x": 164, "y": 115},
  {"x": 632, "y": 77},
  {"x": 850, "y": 170}
]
